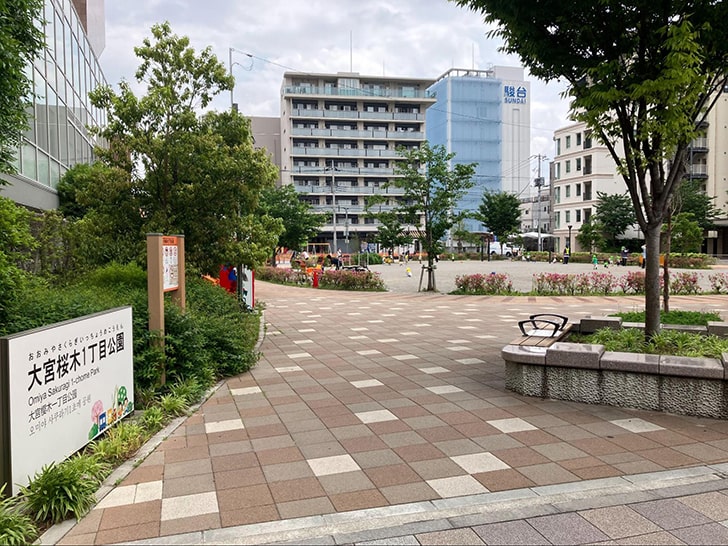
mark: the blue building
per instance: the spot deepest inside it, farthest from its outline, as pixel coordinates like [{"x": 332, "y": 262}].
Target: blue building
[{"x": 483, "y": 116}]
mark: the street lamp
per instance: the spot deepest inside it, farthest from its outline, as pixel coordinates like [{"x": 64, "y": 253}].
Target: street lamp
[
  {"x": 569, "y": 226},
  {"x": 230, "y": 65},
  {"x": 333, "y": 200}
]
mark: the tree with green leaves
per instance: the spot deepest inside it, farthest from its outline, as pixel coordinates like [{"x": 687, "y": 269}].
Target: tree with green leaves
[
  {"x": 391, "y": 233},
  {"x": 299, "y": 223},
  {"x": 590, "y": 235},
  {"x": 21, "y": 41},
  {"x": 642, "y": 76},
  {"x": 432, "y": 185},
  {"x": 500, "y": 212},
  {"x": 692, "y": 198},
  {"x": 195, "y": 174},
  {"x": 687, "y": 235},
  {"x": 614, "y": 215}
]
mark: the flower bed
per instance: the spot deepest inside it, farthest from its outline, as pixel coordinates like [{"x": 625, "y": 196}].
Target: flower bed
[{"x": 495, "y": 283}]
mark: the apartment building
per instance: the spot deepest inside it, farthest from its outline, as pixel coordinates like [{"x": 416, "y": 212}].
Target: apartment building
[
  {"x": 582, "y": 167},
  {"x": 339, "y": 135},
  {"x": 58, "y": 136}
]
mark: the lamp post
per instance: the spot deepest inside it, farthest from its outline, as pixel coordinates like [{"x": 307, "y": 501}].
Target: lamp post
[
  {"x": 569, "y": 226},
  {"x": 230, "y": 66},
  {"x": 346, "y": 227},
  {"x": 333, "y": 202}
]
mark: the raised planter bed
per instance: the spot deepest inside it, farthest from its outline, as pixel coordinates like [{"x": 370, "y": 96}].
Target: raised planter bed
[{"x": 587, "y": 373}]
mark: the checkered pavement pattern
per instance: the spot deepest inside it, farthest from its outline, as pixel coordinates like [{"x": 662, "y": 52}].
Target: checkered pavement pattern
[{"x": 365, "y": 401}]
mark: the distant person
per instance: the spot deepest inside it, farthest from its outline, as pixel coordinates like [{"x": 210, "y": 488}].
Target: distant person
[
  {"x": 567, "y": 255},
  {"x": 624, "y": 254},
  {"x": 595, "y": 260},
  {"x": 224, "y": 276},
  {"x": 644, "y": 257},
  {"x": 233, "y": 280}
]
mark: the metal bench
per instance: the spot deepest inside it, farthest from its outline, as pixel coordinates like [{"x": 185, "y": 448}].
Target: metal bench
[{"x": 542, "y": 330}]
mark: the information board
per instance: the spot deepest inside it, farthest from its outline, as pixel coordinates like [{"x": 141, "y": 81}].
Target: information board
[{"x": 67, "y": 383}]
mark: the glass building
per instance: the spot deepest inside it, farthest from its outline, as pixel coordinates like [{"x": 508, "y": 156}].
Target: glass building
[
  {"x": 58, "y": 136},
  {"x": 483, "y": 116}
]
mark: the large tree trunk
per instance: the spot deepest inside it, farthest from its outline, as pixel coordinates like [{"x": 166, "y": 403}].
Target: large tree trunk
[{"x": 652, "y": 280}]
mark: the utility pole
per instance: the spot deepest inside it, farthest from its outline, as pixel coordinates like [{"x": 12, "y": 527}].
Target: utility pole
[
  {"x": 333, "y": 203},
  {"x": 539, "y": 182}
]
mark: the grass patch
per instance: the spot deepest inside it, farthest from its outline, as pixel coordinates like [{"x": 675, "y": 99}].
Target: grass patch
[
  {"x": 672, "y": 317},
  {"x": 666, "y": 342}
]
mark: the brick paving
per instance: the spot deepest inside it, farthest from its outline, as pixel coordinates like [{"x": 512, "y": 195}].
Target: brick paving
[{"x": 383, "y": 416}]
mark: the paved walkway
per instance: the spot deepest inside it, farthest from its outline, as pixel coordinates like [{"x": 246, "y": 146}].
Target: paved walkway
[{"x": 384, "y": 417}]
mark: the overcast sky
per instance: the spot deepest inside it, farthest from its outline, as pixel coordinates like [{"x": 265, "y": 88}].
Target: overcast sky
[{"x": 415, "y": 38}]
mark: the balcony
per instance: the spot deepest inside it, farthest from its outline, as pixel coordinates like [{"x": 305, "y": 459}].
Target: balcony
[
  {"x": 353, "y": 171},
  {"x": 696, "y": 172},
  {"x": 342, "y": 152},
  {"x": 349, "y": 92},
  {"x": 357, "y": 134},
  {"x": 356, "y": 114},
  {"x": 698, "y": 145},
  {"x": 350, "y": 191}
]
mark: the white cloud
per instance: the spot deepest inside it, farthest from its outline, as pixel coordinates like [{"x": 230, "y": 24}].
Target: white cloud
[{"x": 415, "y": 38}]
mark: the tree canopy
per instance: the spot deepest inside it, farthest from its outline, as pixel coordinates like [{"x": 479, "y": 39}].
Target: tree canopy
[
  {"x": 21, "y": 41},
  {"x": 174, "y": 170},
  {"x": 614, "y": 215},
  {"x": 642, "y": 75},
  {"x": 432, "y": 185},
  {"x": 500, "y": 212},
  {"x": 299, "y": 223}
]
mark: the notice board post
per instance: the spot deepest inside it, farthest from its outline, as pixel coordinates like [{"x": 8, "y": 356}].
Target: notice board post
[{"x": 165, "y": 273}]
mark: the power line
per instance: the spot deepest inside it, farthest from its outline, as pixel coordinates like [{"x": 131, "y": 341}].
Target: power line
[{"x": 371, "y": 93}]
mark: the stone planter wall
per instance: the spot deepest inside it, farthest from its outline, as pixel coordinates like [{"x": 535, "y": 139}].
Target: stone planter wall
[{"x": 589, "y": 374}]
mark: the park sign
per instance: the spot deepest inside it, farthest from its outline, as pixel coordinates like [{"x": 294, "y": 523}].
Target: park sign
[{"x": 60, "y": 387}]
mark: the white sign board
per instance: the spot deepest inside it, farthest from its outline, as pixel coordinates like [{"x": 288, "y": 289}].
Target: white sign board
[
  {"x": 247, "y": 286},
  {"x": 170, "y": 263},
  {"x": 67, "y": 382}
]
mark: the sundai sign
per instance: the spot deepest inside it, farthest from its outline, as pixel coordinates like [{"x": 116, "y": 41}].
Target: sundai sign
[{"x": 60, "y": 387}]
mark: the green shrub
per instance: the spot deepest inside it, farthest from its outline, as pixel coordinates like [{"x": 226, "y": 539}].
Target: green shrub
[
  {"x": 672, "y": 317},
  {"x": 116, "y": 275},
  {"x": 63, "y": 490},
  {"x": 153, "y": 419},
  {"x": 173, "y": 405},
  {"x": 352, "y": 280},
  {"x": 666, "y": 342},
  {"x": 495, "y": 283},
  {"x": 214, "y": 338},
  {"x": 119, "y": 442},
  {"x": 16, "y": 527}
]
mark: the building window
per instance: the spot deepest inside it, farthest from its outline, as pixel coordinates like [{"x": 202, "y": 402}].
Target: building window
[
  {"x": 568, "y": 142},
  {"x": 578, "y": 139},
  {"x": 568, "y": 166},
  {"x": 587, "y": 214},
  {"x": 578, "y": 163},
  {"x": 578, "y": 215},
  {"x": 558, "y": 146},
  {"x": 557, "y": 195},
  {"x": 557, "y": 172},
  {"x": 557, "y": 220},
  {"x": 578, "y": 190},
  {"x": 568, "y": 190},
  {"x": 567, "y": 214}
]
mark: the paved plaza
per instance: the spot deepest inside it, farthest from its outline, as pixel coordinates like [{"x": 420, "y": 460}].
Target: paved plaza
[{"x": 382, "y": 418}]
